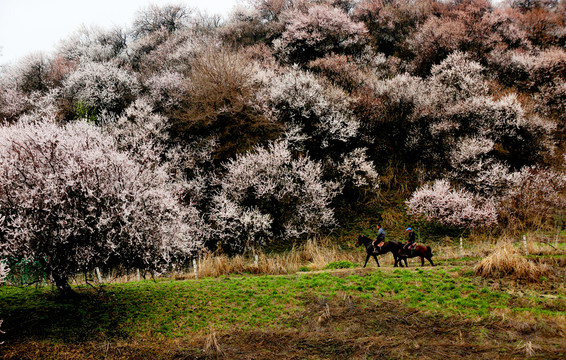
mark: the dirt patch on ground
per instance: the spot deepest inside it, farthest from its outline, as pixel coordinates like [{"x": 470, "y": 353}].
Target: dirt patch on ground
[{"x": 342, "y": 328}]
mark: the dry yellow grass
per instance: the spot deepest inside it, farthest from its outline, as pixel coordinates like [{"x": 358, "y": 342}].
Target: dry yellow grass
[
  {"x": 314, "y": 254},
  {"x": 506, "y": 261}
]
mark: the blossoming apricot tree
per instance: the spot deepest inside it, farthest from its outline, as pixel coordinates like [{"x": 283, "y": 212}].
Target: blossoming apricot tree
[{"x": 72, "y": 202}]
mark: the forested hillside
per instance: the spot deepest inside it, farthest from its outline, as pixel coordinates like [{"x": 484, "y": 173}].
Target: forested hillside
[{"x": 286, "y": 120}]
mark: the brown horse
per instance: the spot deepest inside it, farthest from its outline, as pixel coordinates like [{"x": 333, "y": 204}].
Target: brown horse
[
  {"x": 388, "y": 246},
  {"x": 424, "y": 252}
]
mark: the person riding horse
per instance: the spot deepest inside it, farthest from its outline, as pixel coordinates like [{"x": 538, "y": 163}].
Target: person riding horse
[
  {"x": 410, "y": 244},
  {"x": 380, "y": 239}
]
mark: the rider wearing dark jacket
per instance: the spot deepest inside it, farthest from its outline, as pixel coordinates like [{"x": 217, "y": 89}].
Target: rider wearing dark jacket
[
  {"x": 410, "y": 239},
  {"x": 380, "y": 236}
]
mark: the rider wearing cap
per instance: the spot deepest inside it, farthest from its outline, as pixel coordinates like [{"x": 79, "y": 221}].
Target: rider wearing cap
[{"x": 410, "y": 239}]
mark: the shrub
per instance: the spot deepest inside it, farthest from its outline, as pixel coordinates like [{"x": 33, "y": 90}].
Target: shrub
[
  {"x": 341, "y": 70},
  {"x": 167, "y": 90},
  {"x": 156, "y": 18},
  {"x": 458, "y": 78},
  {"x": 390, "y": 23},
  {"x": 434, "y": 41},
  {"x": 534, "y": 195},
  {"x": 246, "y": 27},
  {"x": 318, "y": 110},
  {"x": 221, "y": 105},
  {"x": 92, "y": 44}
]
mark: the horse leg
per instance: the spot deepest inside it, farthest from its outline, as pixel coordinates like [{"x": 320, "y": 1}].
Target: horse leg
[
  {"x": 405, "y": 259},
  {"x": 375, "y": 257},
  {"x": 398, "y": 258},
  {"x": 367, "y": 258},
  {"x": 430, "y": 260},
  {"x": 422, "y": 261}
]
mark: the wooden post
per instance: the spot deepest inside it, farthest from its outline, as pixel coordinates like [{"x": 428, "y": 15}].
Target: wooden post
[
  {"x": 256, "y": 260},
  {"x": 461, "y": 248},
  {"x": 98, "y": 275},
  {"x": 138, "y": 277},
  {"x": 195, "y": 268},
  {"x": 556, "y": 238},
  {"x": 525, "y": 244}
]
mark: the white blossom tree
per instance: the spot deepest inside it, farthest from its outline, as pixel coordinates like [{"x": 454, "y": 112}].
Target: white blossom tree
[
  {"x": 71, "y": 201},
  {"x": 269, "y": 193},
  {"x": 4, "y": 270},
  {"x": 102, "y": 86},
  {"x": 441, "y": 203},
  {"x": 320, "y": 110}
]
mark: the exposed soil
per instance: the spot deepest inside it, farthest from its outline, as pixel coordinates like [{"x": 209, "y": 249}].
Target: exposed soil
[{"x": 343, "y": 328}]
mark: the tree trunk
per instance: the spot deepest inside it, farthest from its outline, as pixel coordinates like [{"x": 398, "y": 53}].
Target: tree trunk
[{"x": 62, "y": 284}]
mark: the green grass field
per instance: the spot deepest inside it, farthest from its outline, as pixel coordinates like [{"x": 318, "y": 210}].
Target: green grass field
[{"x": 404, "y": 311}]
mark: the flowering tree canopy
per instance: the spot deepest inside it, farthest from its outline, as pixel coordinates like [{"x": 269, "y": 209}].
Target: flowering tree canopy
[
  {"x": 269, "y": 193},
  {"x": 320, "y": 30},
  {"x": 459, "y": 208},
  {"x": 71, "y": 201}
]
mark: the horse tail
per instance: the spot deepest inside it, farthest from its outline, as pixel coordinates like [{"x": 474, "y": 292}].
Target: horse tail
[{"x": 429, "y": 251}]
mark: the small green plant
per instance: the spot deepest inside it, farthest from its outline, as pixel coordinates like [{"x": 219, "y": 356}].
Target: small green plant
[
  {"x": 341, "y": 265},
  {"x": 304, "y": 268},
  {"x": 84, "y": 111}
]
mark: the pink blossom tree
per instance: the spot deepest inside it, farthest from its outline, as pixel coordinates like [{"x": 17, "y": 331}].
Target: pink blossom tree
[
  {"x": 71, "y": 201},
  {"x": 534, "y": 195},
  {"x": 441, "y": 203},
  {"x": 320, "y": 30}
]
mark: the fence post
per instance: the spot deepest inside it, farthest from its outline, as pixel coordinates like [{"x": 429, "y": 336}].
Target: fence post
[
  {"x": 461, "y": 248},
  {"x": 256, "y": 260},
  {"x": 556, "y": 238},
  {"x": 525, "y": 244},
  {"x": 195, "y": 267},
  {"x": 138, "y": 277}
]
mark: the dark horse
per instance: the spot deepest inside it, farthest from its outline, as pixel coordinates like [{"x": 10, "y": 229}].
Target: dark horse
[
  {"x": 388, "y": 246},
  {"x": 424, "y": 252},
  {"x": 396, "y": 248}
]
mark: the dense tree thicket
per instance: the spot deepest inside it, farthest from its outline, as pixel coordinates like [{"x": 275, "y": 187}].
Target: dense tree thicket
[{"x": 275, "y": 123}]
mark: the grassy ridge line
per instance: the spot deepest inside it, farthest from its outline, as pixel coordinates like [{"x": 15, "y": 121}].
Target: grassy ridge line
[{"x": 175, "y": 309}]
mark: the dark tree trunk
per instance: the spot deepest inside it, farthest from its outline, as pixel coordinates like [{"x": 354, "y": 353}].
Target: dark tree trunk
[{"x": 62, "y": 284}]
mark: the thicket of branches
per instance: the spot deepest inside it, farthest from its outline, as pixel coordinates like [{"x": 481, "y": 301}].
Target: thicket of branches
[{"x": 271, "y": 122}]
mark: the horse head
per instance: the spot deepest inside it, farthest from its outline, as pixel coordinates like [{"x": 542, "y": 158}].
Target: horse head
[{"x": 363, "y": 240}]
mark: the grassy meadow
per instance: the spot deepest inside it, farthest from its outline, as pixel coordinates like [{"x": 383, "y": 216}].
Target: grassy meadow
[{"x": 323, "y": 306}]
